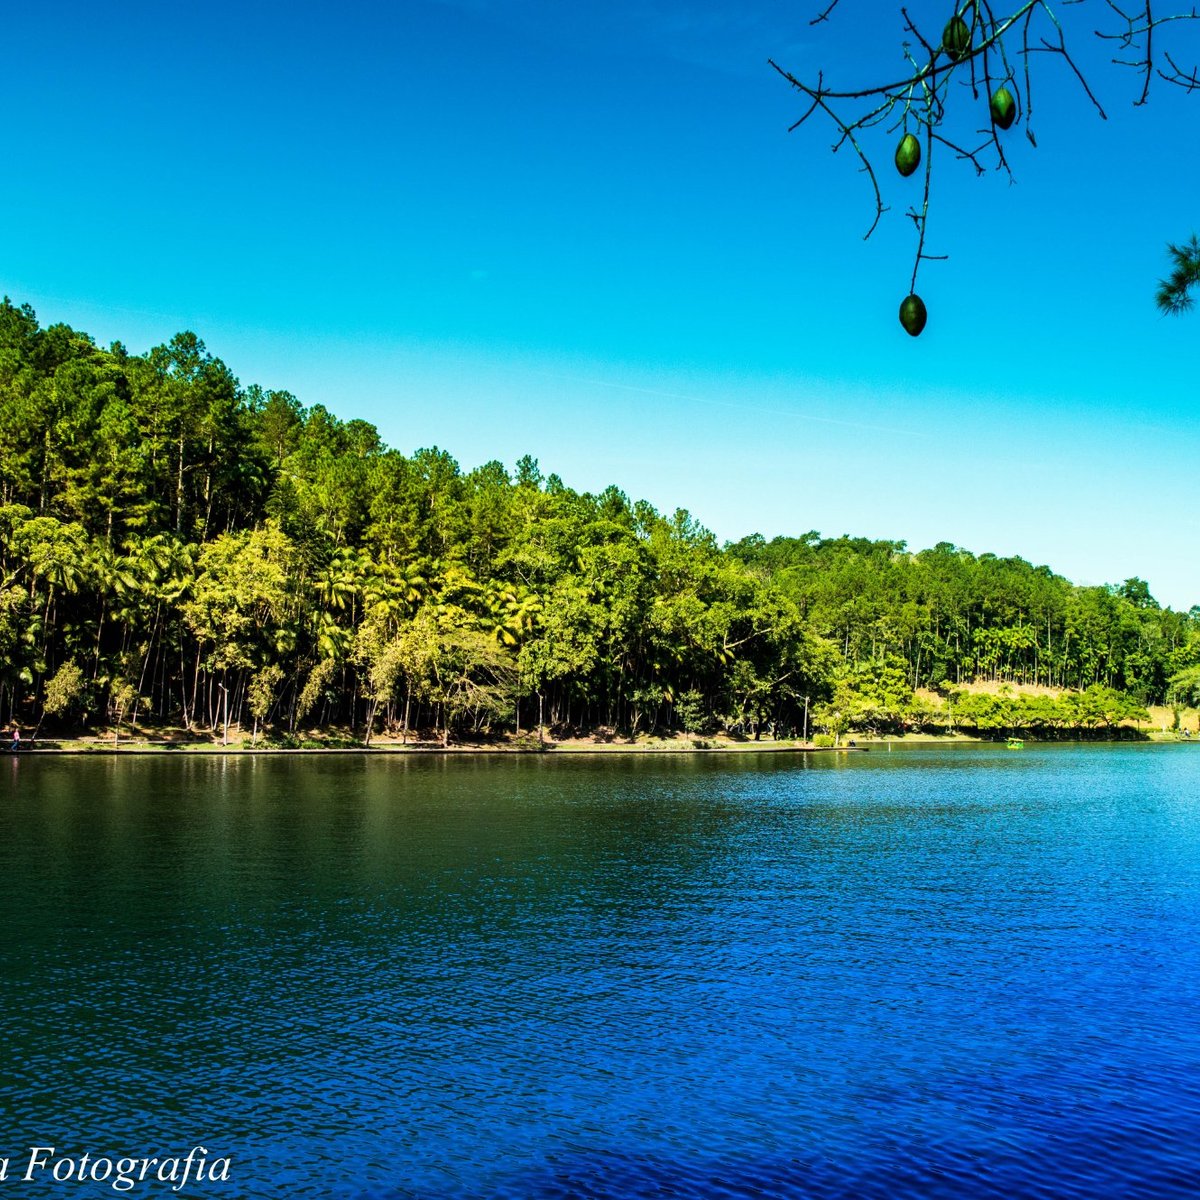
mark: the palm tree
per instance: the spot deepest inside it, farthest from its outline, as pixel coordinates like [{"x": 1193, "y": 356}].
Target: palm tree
[{"x": 510, "y": 613}]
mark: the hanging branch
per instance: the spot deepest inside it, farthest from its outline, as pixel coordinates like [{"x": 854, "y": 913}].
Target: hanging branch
[
  {"x": 984, "y": 51},
  {"x": 1137, "y": 38},
  {"x": 1188, "y": 80}
]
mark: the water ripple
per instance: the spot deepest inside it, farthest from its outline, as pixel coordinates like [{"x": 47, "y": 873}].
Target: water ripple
[{"x": 952, "y": 974}]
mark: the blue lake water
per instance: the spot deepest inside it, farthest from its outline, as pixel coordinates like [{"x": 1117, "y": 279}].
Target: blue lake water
[{"x": 965, "y": 972}]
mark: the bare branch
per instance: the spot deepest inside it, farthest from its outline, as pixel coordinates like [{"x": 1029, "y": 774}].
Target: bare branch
[
  {"x": 1061, "y": 49},
  {"x": 906, "y": 84},
  {"x": 922, "y": 221},
  {"x": 847, "y": 135},
  {"x": 824, "y": 16},
  {"x": 1188, "y": 80},
  {"x": 983, "y": 62}
]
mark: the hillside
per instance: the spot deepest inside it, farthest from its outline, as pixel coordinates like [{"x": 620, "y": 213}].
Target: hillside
[{"x": 181, "y": 549}]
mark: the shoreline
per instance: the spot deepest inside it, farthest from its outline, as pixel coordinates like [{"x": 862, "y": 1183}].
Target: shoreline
[
  {"x": 181, "y": 744},
  {"x": 199, "y": 747},
  {"x": 556, "y": 749}
]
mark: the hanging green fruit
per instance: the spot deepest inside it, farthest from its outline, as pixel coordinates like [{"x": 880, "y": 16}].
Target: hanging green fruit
[
  {"x": 1003, "y": 107},
  {"x": 913, "y": 314},
  {"x": 956, "y": 39},
  {"x": 908, "y": 155}
]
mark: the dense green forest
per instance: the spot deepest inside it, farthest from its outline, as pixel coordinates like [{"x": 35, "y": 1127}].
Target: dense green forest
[{"x": 178, "y": 549}]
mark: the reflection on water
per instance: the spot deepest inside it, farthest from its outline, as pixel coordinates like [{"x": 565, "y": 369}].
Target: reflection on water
[{"x": 929, "y": 974}]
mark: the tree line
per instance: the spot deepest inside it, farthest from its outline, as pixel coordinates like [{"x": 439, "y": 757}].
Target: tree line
[{"x": 180, "y": 550}]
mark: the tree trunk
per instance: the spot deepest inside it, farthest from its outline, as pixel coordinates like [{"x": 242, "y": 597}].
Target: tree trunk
[{"x": 179, "y": 490}]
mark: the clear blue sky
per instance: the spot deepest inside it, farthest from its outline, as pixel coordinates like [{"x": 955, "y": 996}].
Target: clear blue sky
[{"x": 582, "y": 232}]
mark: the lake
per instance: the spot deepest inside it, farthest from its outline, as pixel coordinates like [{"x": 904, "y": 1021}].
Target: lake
[{"x": 955, "y": 972}]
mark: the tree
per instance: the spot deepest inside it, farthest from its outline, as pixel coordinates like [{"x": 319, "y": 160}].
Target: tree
[
  {"x": 1185, "y": 686},
  {"x": 381, "y": 653},
  {"x": 990, "y": 49},
  {"x": 1137, "y": 592},
  {"x": 690, "y": 713},
  {"x": 1175, "y": 292},
  {"x": 241, "y": 600},
  {"x": 122, "y": 697},
  {"x": 262, "y": 695},
  {"x": 65, "y": 690}
]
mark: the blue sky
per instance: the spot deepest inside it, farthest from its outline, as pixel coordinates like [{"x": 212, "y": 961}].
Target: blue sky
[{"x": 583, "y": 232}]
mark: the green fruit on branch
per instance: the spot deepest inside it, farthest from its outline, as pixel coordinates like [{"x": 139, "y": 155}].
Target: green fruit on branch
[
  {"x": 1004, "y": 108},
  {"x": 908, "y": 155},
  {"x": 913, "y": 314},
  {"x": 956, "y": 39}
]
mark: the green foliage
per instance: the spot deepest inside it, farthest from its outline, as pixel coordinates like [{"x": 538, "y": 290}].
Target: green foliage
[
  {"x": 690, "y": 713},
  {"x": 180, "y": 548},
  {"x": 65, "y": 690},
  {"x": 952, "y": 617},
  {"x": 1185, "y": 686},
  {"x": 1175, "y": 292},
  {"x": 263, "y": 685},
  {"x": 316, "y": 686},
  {"x": 1093, "y": 709},
  {"x": 122, "y": 699}
]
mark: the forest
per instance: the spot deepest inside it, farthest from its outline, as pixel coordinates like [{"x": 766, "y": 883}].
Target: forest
[{"x": 180, "y": 551}]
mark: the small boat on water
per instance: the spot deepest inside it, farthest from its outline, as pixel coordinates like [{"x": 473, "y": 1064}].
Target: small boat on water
[{"x": 1016, "y": 743}]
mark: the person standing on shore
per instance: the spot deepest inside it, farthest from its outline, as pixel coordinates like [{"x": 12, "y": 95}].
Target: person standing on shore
[{"x": 16, "y": 739}]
